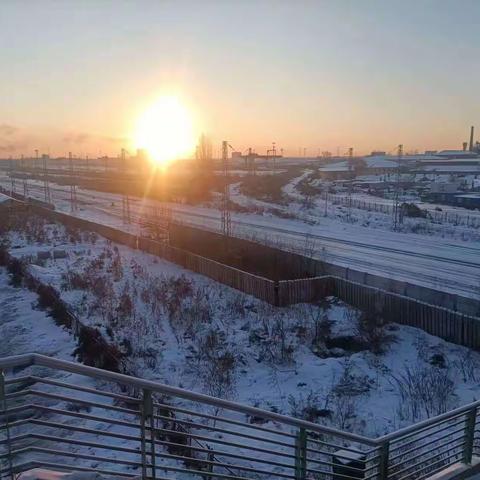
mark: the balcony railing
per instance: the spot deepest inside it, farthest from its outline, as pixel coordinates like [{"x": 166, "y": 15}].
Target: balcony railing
[{"x": 69, "y": 417}]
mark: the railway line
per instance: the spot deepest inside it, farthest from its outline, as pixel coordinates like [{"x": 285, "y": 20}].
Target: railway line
[{"x": 437, "y": 263}]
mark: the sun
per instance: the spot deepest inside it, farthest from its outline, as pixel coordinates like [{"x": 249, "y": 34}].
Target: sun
[{"x": 165, "y": 130}]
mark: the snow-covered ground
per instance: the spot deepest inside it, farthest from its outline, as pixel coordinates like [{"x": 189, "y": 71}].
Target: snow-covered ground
[
  {"x": 311, "y": 361},
  {"x": 357, "y": 239}
]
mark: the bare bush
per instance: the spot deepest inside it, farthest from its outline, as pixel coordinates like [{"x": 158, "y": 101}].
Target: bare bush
[
  {"x": 425, "y": 391},
  {"x": 215, "y": 364},
  {"x": 371, "y": 329},
  {"x": 468, "y": 365}
]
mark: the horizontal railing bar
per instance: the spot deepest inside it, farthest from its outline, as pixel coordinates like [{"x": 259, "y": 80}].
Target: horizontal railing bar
[
  {"x": 340, "y": 447},
  {"x": 225, "y": 442},
  {"x": 18, "y": 394},
  {"x": 25, "y": 378},
  {"x": 133, "y": 438},
  {"x": 111, "y": 421},
  {"x": 13, "y": 361},
  {"x": 331, "y": 464},
  {"x": 431, "y": 458},
  {"x": 222, "y": 419},
  {"x": 179, "y": 392},
  {"x": 444, "y": 426},
  {"x": 39, "y": 393},
  {"x": 225, "y": 454},
  {"x": 70, "y": 468},
  {"x": 420, "y": 455},
  {"x": 222, "y": 430},
  {"x": 70, "y": 386},
  {"x": 394, "y": 457},
  {"x": 441, "y": 467},
  {"x": 12, "y": 410},
  {"x": 417, "y": 427},
  {"x": 83, "y": 443},
  {"x": 445, "y": 459},
  {"x": 333, "y": 475},
  {"x": 93, "y": 431},
  {"x": 85, "y": 456},
  {"x": 224, "y": 465}
]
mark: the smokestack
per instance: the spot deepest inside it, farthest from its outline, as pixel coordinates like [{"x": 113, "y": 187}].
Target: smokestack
[
  {"x": 465, "y": 145},
  {"x": 471, "y": 139}
]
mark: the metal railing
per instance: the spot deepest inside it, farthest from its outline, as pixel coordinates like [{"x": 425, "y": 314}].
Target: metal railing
[{"x": 69, "y": 417}]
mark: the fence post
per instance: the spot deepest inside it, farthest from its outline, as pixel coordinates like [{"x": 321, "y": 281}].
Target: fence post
[
  {"x": 3, "y": 406},
  {"x": 147, "y": 414},
  {"x": 301, "y": 455},
  {"x": 469, "y": 435},
  {"x": 383, "y": 461}
]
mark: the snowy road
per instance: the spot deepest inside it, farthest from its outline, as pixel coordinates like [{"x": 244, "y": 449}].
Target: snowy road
[{"x": 449, "y": 265}]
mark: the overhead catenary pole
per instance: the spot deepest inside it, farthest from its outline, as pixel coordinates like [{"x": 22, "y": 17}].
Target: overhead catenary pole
[
  {"x": 125, "y": 197},
  {"x": 73, "y": 186},
  {"x": 46, "y": 186},
  {"x": 24, "y": 174},
  {"x": 226, "y": 217},
  {"x": 396, "y": 207},
  {"x": 350, "y": 183}
]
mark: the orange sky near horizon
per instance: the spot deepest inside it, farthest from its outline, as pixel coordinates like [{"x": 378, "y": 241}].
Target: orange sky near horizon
[{"x": 317, "y": 75}]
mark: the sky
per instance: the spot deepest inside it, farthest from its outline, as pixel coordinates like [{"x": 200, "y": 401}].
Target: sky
[{"x": 320, "y": 75}]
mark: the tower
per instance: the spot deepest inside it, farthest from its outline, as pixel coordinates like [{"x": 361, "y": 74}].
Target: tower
[
  {"x": 471, "y": 139},
  {"x": 226, "y": 217}
]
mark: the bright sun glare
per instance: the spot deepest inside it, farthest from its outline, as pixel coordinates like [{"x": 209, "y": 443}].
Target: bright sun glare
[{"x": 165, "y": 130}]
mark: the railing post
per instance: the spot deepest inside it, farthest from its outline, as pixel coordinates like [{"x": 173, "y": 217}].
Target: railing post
[
  {"x": 3, "y": 406},
  {"x": 383, "y": 461},
  {"x": 147, "y": 414},
  {"x": 470, "y": 418},
  {"x": 301, "y": 455}
]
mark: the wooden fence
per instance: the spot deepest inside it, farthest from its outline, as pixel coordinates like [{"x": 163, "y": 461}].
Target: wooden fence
[
  {"x": 444, "y": 323},
  {"x": 447, "y": 324}
]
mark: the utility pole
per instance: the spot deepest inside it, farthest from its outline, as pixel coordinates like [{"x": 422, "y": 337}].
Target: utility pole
[
  {"x": 226, "y": 217},
  {"x": 73, "y": 186},
  {"x": 125, "y": 197},
  {"x": 396, "y": 207}
]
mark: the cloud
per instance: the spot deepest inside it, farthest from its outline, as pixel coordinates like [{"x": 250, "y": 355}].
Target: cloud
[
  {"x": 12, "y": 147},
  {"x": 77, "y": 138},
  {"x": 7, "y": 130}
]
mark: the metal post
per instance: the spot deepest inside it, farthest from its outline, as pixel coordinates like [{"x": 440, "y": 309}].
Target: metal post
[
  {"x": 3, "y": 403},
  {"x": 301, "y": 455},
  {"x": 383, "y": 461},
  {"x": 147, "y": 414},
  {"x": 470, "y": 418}
]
